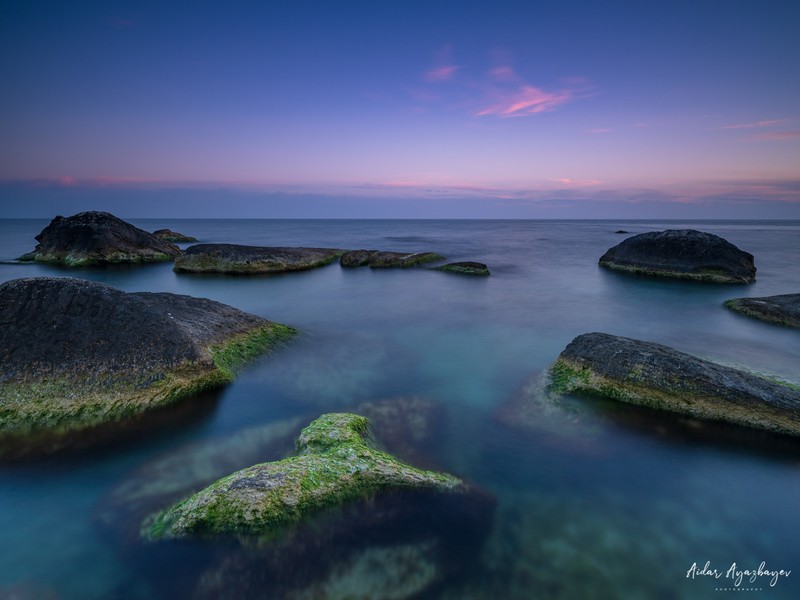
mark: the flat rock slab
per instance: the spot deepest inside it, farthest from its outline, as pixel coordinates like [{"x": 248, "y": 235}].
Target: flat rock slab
[
  {"x": 77, "y": 353},
  {"x": 682, "y": 254},
  {"x": 660, "y": 377},
  {"x": 380, "y": 259},
  {"x": 465, "y": 268},
  {"x": 96, "y": 238},
  {"x": 173, "y": 236},
  {"x": 234, "y": 258},
  {"x": 781, "y": 310}
]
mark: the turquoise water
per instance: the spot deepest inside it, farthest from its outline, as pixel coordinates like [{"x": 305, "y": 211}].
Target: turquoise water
[{"x": 593, "y": 500}]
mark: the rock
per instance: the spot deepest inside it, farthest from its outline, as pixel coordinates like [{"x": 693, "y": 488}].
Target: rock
[
  {"x": 682, "y": 254},
  {"x": 621, "y": 231},
  {"x": 465, "y": 268},
  {"x": 380, "y": 259},
  {"x": 334, "y": 465},
  {"x": 173, "y": 236},
  {"x": 653, "y": 375},
  {"x": 77, "y": 353},
  {"x": 781, "y": 310},
  {"x": 233, "y": 258},
  {"x": 95, "y": 238}
]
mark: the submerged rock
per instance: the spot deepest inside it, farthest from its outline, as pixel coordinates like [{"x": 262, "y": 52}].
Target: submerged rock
[
  {"x": 682, "y": 254},
  {"x": 234, "y": 258},
  {"x": 653, "y": 375},
  {"x": 781, "y": 310},
  {"x": 77, "y": 353},
  {"x": 334, "y": 464},
  {"x": 94, "y": 238},
  {"x": 173, "y": 236},
  {"x": 465, "y": 268},
  {"x": 380, "y": 259}
]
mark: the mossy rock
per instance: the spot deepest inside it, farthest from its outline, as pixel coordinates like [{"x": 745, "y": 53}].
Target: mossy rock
[
  {"x": 244, "y": 260},
  {"x": 379, "y": 259},
  {"x": 77, "y": 354},
  {"x": 779, "y": 310},
  {"x": 334, "y": 464},
  {"x": 465, "y": 268},
  {"x": 173, "y": 236}
]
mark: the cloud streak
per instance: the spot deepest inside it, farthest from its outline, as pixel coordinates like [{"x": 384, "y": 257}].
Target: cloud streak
[
  {"x": 756, "y": 124},
  {"x": 443, "y": 73},
  {"x": 775, "y": 136},
  {"x": 527, "y": 100}
]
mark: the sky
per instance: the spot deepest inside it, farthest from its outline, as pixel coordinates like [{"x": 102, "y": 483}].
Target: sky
[{"x": 401, "y": 109}]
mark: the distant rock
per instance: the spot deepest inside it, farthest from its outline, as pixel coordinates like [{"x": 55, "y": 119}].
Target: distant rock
[
  {"x": 173, "y": 236},
  {"x": 380, "y": 259},
  {"x": 465, "y": 268},
  {"x": 621, "y": 231},
  {"x": 234, "y": 258},
  {"x": 653, "y": 375},
  {"x": 334, "y": 464},
  {"x": 781, "y": 310},
  {"x": 682, "y": 254},
  {"x": 77, "y": 353},
  {"x": 95, "y": 238}
]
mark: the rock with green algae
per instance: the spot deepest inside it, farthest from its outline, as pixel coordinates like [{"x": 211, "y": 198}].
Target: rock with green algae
[
  {"x": 334, "y": 464},
  {"x": 97, "y": 238},
  {"x": 465, "y": 268},
  {"x": 660, "y": 377},
  {"x": 173, "y": 236},
  {"x": 76, "y": 354},
  {"x": 379, "y": 259},
  {"x": 783, "y": 309},
  {"x": 243, "y": 260}
]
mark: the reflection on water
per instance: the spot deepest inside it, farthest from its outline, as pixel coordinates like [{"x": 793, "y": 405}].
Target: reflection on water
[{"x": 576, "y": 497}]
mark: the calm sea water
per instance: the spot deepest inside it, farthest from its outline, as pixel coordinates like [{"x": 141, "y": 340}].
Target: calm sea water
[{"x": 593, "y": 500}]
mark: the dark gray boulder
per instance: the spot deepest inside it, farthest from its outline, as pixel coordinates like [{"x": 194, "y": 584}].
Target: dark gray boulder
[
  {"x": 465, "y": 268},
  {"x": 95, "y": 238},
  {"x": 238, "y": 259},
  {"x": 682, "y": 254},
  {"x": 173, "y": 236},
  {"x": 781, "y": 310},
  {"x": 77, "y": 353},
  {"x": 381, "y": 259},
  {"x": 660, "y": 377}
]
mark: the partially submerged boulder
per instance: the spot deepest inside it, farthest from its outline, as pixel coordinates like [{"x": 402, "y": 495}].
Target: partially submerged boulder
[
  {"x": 95, "y": 238},
  {"x": 334, "y": 464},
  {"x": 173, "y": 236},
  {"x": 653, "y": 375},
  {"x": 234, "y": 258},
  {"x": 781, "y": 310},
  {"x": 465, "y": 268},
  {"x": 682, "y": 254},
  {"x": 77, "y": 353},
  {"x": 381, "y": 259}
]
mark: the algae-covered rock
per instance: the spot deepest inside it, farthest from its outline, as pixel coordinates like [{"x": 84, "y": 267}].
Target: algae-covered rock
[
  {"x": 465, "y": 268},
  {"x": 653, "y": 375},
  {"x": 334, "y": 464},
  {"x": 238, "y": 259},
  {"x": 173, "y": 236},
  {"x": 781, "y": 310},
  {"x": 381, "y": 259},
  {"x": 95, "y": 238},
  {"x": 77, "y": 353},
  {"x": 682, "y": 254}
]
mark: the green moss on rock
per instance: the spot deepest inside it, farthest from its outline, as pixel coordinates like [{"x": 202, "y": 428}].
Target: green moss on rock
[
  {"x": 334, "y": 464},
  {"x": 465, "y": 268}
]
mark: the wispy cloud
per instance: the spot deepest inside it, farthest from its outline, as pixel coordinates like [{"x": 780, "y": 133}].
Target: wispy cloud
[
  {"x": 573, "y": 183},
  {"x": 442, "y": 73},
  {"x": 527, "y": 100},
  {"x": 600, "y": 130},
  {"x": 755, "y": 124},
  {"x": 503, "y": 73},
  {"x": 775, "y": 136}
]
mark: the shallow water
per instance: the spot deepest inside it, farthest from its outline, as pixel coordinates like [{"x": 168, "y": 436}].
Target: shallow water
[{"x": 593, "y": 500}]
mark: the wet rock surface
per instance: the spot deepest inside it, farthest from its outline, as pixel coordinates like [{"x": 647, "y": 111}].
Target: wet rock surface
[
  {"x": 780, "y": 310},
  {"x": 173, "y": 236},
  {"x": 682, "y": 254},
  {"x": 238, "y": 259},
  {"x": 380, "y": 259},
  {"x": 96, "y": 238},
  {"x": 465, "y": 268}
]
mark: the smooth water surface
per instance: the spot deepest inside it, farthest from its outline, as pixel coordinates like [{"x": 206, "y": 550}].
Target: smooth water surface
[{"x": 593, "y": 500}]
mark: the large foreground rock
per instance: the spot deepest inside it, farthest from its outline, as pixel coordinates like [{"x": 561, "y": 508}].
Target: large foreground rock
[
  {"x": 94, "y": 238},
  {"x": 234, "y": 258},
  {"x": 659, "y": 377},
  {"x": 781, "y": 310},
  {"x": 77, "y": 353},
  {"x": 682, "y": 254},
  {"x": 334, "y": 464},
  {"x": 381, "y": 259}
]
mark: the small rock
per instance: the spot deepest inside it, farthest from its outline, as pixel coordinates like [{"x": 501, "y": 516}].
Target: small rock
[{"x": 781, "y": 310}]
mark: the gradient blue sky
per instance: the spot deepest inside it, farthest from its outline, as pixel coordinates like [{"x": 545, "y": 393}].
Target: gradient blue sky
[{"x": 570, "y": 109}]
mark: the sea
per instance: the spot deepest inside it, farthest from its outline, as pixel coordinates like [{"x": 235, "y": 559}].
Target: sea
[{"x": 589, "y": 499}]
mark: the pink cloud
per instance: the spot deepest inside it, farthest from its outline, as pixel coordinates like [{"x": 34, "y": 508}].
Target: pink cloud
[
  {"x": 443, "y": 73},
  {"x": 600, "y": 130},
  {"x": 528, "y": 100},
  {"x": 503, "y": 73},
  {"x": 67, "y": 181},
  {"x": 775, "y": 136},
  {"x": 770, "y": 123},
  {"x": 568, "y": 182}
]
